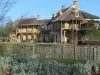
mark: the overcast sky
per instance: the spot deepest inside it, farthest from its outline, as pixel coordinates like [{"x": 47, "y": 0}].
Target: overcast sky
[{"x": 30, "y": 8}]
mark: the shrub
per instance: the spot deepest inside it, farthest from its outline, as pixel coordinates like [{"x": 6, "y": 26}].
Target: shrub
[{"x": 22, "y": 65}]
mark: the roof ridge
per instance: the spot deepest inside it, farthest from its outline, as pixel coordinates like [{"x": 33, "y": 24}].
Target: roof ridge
[
  {"x": 66, "y": 11},
  {"x": 27, "y": 18}
]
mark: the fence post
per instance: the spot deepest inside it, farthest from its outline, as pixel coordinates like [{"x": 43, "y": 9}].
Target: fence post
[
  {"x": 33, "y": 50},
  {"x": 93, "y": 53},
  {"x": 54, "y": 52},
  {"x": 21, "y": 49},
  {"x": 97, "y": 54},
  {"x": 62, "y": 51},
  {"x": 9, "y": 48},
  {"x": 74, "y": 53}
]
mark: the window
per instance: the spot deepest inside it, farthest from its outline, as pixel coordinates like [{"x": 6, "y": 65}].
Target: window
[
  {"x": 44, "y": 26},
  {"x": 76, "y": 14}
]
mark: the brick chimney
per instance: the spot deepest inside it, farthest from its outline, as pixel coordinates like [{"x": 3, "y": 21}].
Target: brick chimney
[
  {"x": 38, "y": 17},
  {"x": 63, "y": 6},
  {"x": 76, "y": 3}
]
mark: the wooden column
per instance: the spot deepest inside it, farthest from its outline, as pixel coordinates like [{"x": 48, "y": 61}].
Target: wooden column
[
  {"x": 80, "y": 29},
  {"x": 57, "y": 33},
  {"x": 61, "y": 32},
  {"x": 80, "y": 25},
  {"x": 64, "y": 36},
  {"x": 16, "y": 32},
  {"x": 21, "y": 34},
  {"x": 33, "y": 33},
  {"x": 27, "y": 33},
  {"x": 72, "y": 33},
  {"x": 76, "y": 41}
]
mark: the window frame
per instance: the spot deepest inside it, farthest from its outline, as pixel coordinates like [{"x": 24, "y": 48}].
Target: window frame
[{"x": 76, "y": 13}]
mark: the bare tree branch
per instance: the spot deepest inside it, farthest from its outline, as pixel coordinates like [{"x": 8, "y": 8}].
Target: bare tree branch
[{"x": 5, "y": 6}]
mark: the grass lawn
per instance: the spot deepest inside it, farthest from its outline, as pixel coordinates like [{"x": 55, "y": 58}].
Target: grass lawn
[{"x": 69, "y": 61}]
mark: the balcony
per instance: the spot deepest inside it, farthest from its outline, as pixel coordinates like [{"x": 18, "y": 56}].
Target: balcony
[
  {"x": 29, "y": 30},
  {"x": 76, "y": 27},
  {"x": 66, "y": 26},
  {"x": 70, "y": 26},
  {"x": 24, "y": 30},
  {"x": 36, "y": 31}
]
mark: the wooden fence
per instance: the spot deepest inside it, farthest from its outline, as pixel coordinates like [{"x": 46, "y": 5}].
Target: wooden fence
[
  {"x": 69, "y": 52},
  {"x": 53, "y": 51}
]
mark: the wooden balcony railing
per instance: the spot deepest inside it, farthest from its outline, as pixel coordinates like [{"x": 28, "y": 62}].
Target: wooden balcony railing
[{"x": 69, "y": 26}]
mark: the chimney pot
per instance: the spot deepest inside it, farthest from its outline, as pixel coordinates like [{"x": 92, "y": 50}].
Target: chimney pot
[
  {"x": 63, "y": 6},
  {"x": 76, "y": 3}
]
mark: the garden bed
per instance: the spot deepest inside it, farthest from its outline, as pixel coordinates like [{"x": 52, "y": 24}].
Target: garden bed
[{"x": 22, "y": 65}]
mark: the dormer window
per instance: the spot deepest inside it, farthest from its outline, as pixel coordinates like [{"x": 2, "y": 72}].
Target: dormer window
[{"x": 76, "y": 14}]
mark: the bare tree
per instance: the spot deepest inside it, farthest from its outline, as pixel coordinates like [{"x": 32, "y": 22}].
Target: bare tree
[{"x": 5, "y": 6}]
